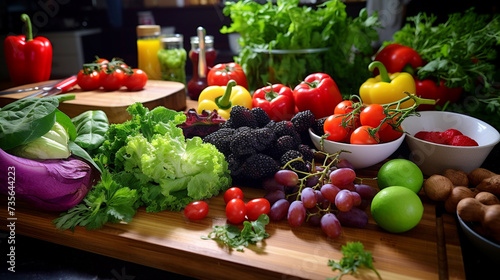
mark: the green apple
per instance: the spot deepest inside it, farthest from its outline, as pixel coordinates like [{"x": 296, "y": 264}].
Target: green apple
[
  {"x": 397, "y": 209},
  {"x": 400, "y": 172}
]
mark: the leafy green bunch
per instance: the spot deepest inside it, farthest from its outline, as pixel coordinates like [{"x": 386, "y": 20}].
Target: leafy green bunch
[{"x": 290, "y": 28}]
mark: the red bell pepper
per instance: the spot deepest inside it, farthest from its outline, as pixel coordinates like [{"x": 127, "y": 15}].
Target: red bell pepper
[
  {"x": 28, "y": 60},
  {"x": 318, "y": 93},
  {"x": 429, "y": 89},
  {"x": 399, "y": 58},
  {"x": 276, "y": 100}
]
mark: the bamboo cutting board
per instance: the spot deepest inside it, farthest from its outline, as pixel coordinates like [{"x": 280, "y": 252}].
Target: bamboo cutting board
[
  {"x": 114, "y": 103},
  {"x": 168, "y": 241}
]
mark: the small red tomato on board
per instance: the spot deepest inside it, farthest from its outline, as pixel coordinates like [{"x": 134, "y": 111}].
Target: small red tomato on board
[
  {"x": 236, "y": 211},
  {"x": 135, "y": 81},
  {"x": 88, "y": 81},
  {"x": 222, "y": 73},
  {"x": 113, "y": 80},
  {"x": 196, "y": 210},
  {"x": 231, "y": 193},
  {"x": 364, "y": 135},
  {"x": 257, "y": 207}
]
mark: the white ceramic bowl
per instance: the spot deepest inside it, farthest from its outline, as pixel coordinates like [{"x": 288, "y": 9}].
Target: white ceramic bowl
[
  {"x": 360, "y": 156},
  {"x": 435, "y": 158},
  {"x": 486, "y": 246}
]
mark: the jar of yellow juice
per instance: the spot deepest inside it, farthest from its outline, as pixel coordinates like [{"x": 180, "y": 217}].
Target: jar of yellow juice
[{"x": 148, "y": 44}]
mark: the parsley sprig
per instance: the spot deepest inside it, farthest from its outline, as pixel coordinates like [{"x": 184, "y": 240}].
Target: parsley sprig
[
  {"x": 354, "y": 257},
  {"x": 106, "y": 202},
  {"x": 233, "y": 237}
]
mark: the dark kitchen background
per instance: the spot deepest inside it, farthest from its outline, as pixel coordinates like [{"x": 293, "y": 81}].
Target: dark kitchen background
[{"x": 81, "y": 30}]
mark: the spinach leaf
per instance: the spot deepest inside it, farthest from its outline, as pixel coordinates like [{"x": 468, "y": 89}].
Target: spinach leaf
[
  {"x": 91, "y": 126},
  {"x": 27, "y": 119}
]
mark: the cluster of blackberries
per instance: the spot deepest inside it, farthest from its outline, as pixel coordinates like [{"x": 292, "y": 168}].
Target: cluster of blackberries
[{"x": 257, "y": 147}]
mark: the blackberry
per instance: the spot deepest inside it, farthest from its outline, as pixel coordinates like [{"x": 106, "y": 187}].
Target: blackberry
[
  {"x": 297, "y": 165},
  {"x": 243, "y": 143},
  {"x": 307, "y": 153},
  {"x": 233, "y": 164},
  {"x": 242, "y": 116},
  {"x": 258, "y": 166},
  {"x": 265, "y": 137},
  {"x": 318, "y": 127},
  {"x": 221, "y": 139},
  {"x": 261, "y": 116},
  {"x": 303, "y": 120},
  {"x": 285, "y": 143}
]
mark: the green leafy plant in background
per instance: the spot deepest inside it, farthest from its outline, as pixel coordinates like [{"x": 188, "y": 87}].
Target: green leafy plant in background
[{"x": 288, "y": 26}]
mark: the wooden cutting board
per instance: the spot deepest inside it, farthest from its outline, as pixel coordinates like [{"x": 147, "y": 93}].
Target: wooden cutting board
[{"x": 171, "y": 95}]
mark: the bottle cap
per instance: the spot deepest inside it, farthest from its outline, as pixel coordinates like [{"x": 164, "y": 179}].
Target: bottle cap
[{"x": 148, "y": 30}]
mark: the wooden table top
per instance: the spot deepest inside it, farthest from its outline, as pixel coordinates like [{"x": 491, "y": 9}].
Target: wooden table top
[{"x": 168, "y": 241}]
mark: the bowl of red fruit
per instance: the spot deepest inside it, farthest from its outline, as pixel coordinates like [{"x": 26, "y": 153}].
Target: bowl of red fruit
[{"x": 439, "y": 140}]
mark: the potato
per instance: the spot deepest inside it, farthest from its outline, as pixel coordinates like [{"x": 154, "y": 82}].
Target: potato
[
  {"x": 477, "y": 175},
  {"x": 438, "y": 187},
  {"x": 457, "y": 177},
  {"x": 487, "y": 198},
  {"x": 457, "y": 194},
  {"x": 491, "y": 184}
]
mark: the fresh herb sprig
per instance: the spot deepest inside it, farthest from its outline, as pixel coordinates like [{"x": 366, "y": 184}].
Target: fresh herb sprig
[
  {"x": 231, "y": 235},
  {"x": 354, "y": 257},
  {"x": 106, "y": 202}
]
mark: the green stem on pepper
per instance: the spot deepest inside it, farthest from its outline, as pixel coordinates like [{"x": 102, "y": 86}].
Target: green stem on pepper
[
  {"x": 384, "y": 76},
  {"x": 29, "y": 30},
  {"x": 224, "y": 101}
]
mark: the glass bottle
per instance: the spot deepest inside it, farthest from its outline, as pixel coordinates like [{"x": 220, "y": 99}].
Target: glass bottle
[
  {"x": 148, "y": 44},
  {"x": 199, "y": 82},
  {"x": 172, "y": 57}
]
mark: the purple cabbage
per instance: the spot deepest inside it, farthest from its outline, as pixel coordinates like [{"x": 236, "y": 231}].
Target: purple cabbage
[{"x": 52, "y": 185}]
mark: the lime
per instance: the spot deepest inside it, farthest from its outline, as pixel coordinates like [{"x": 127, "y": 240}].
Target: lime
[
  {"x": 397, "y": 209},
  {"x": 400, "y": 172}
]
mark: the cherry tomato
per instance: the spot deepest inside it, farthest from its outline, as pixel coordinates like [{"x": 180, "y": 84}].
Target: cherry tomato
[
  {"x": 373, "y": 115},
  {"x": 236, "y": 211},
  {"x": 88, "y": 81},
  {"x": 257, "y": 207},
  {"x": 102, "y": 61},
  {"x": 388, "y": 133},
  {"x": 136, "y": 80},
  {"x": 113, "y": 80},
  {"x": 343, "y": 107},
  {"x": 363, "y": 136},
  {"x": 338, "y": 131},
  {"x": 222, "y": 73},
  {"x": 231, "y": 193},
  {"x": 196, "y": 210}
]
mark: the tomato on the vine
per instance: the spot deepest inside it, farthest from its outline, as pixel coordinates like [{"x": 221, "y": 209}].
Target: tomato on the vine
[
  {"x": 231, "y": 193},
  {"x": 196, "y": 210},
  {"x": 388, "y": 133},
  {"x": 257, "y": 207},
  {"x": 135, "y": 81},
  {"x": 373, "y": 115},
  {"x": 343, "y": 108},
  {"x": 236, "y": 211},
  {"x": 363, "y": 136},
  {"x": 338, "y": 132},
  {"x": 222, "y": 73},
  {"x": 88, "y": 81},
  {"x": 113, "y": 80}
]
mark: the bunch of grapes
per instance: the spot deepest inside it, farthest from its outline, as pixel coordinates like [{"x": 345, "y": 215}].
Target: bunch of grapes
[{"x": 326, "y": 196}]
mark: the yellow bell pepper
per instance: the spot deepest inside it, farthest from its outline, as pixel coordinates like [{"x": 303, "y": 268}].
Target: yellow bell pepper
[
  {"x": 223, "y": 98},
  {"x": 385, "y": 88}
]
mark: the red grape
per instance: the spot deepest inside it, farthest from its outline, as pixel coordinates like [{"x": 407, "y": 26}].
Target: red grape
[
  {"x": 308, "y": 197},
  {"x": 279, "y": 210},
  {"x": 329, "y": 192},
  {"x": 286, "y": 178},
  {"x": 344, "y": 201},
  {"x": 296, "y": 213},
  {"x": 331, "y": 225}
]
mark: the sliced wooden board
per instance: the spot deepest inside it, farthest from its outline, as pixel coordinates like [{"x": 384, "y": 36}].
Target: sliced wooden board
[
  {"x": 156, "y": 93},
  {"x": 168, "y": 241}
]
